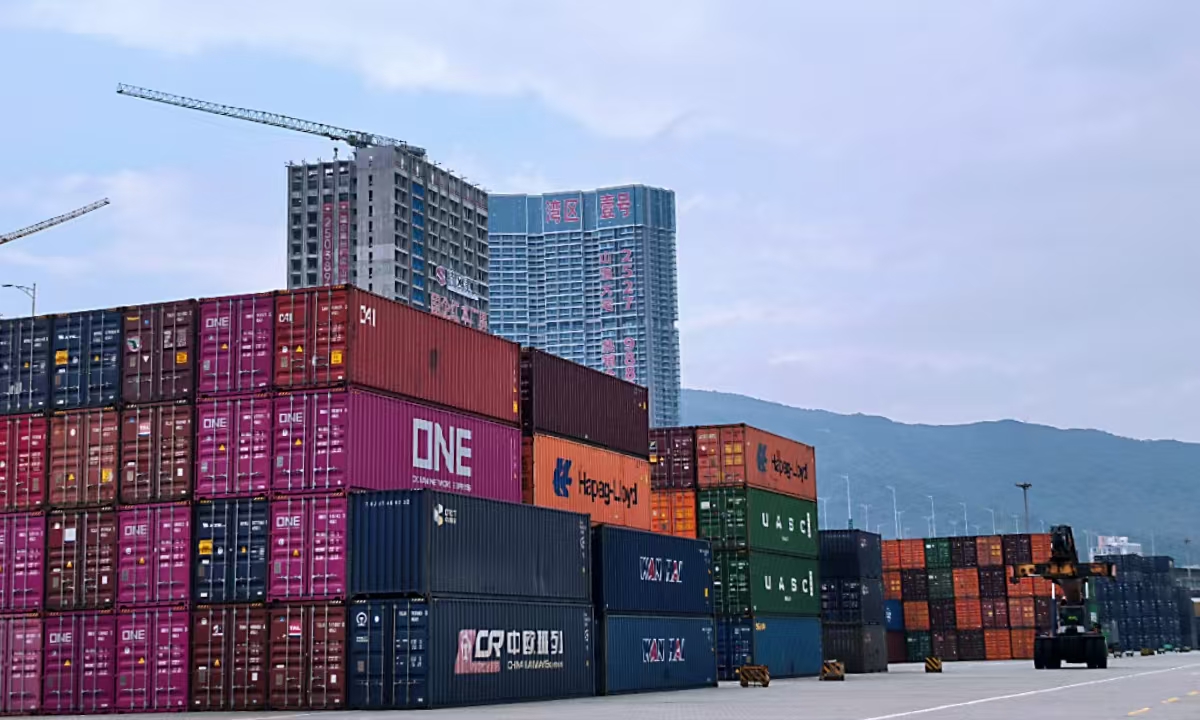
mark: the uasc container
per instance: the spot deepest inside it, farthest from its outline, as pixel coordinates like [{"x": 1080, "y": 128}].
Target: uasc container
[
  {"x": 236, "y": 344},
  {"x": 86, "y": 355},
  {"x": 234, "y": 446},
  {"x": 752, "y": 583},
  {"x": 673, "y": 512},
  {"x": 642, "y": 572},
  {"x": 22, "y": 562},
  {"x": 309, "y": 536},
  {"x": 80, "y": 663},
  {"x": 81, "y": 559},
  {"x": 23, "y": 447},
  {"x": 153, "y": 663},
  {"x": 229, "y": 658},
  {"x": 155, "y": 554},
  {"x": 84, "y": 450},
  {"x": 788, "y": 646},
  {"x": 611, "y": 487},
  {"x": 21, "y": 652},
  {"x": 639, "y": 653},
  {"x": 742, "y": 456},
  {"x": 156, "y": 453},
  {"x": 307, "y": 657},
  {"x": 673, "y": 458},
  {"x": 25, "y": 365},
  {"x": 160, "y": 352},
  {"x": 230, "y": 559},
  {"x": 735, "y": 518}
]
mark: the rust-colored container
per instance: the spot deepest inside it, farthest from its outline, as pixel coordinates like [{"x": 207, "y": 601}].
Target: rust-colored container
[
  {"x": 673, "y": 512},
  {"x": 893, "y": 585},
  {"x": 23, "y": 462},
  {"x": 229, "y": 658},
  {"x": 966, "y": 584},
  {"x": 969, "y": 614},
  {"x": 1023, "y": 588},
  {"x": 995, "y": 613},
  {"x": 81, "y": 559},
  {"x": 84, "y": 447},
  {"x": 160, "y": 352},
  {"x": 1040, "y": 544},
  {"x": 673, "y": 458},
  {"x": 998, "y": 644},
  {"x": 1021, "y": 613},
  {"x": 916, "y": 615},
  {"x": 740, "y": 455},
  {"x": 612, "y": 487},
  {"x": 989, "y": 550},
  {"x": 912, "y": 554},
  {"x": 1042, "y": 587},
  {"x": 891, "y": 555},
  {"x": 156, "y": 453},
  {"x": 1022, "y": 644},
  {"x": 308, "y": 657},
  {"x": 339, "y": 335}
]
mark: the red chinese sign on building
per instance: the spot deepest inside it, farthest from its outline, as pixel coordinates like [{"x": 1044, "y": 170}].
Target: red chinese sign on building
[
  {"x": 611, "y": 204},
  {"x": 458, "y": 312},
  {"x": 327, "y": 244},
  {"x": 554, "y": 211},
  {"x": 630, "y": 360}
]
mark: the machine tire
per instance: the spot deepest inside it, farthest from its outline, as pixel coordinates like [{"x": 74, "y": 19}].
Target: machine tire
[{"x": 1039, "y": 654}]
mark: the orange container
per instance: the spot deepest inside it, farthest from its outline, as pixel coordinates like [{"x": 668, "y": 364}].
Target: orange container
[
  {"x": 892, "y": 585},
  {"x": 1022, "y": 644},
  {"x": 1021, "y": 613},
  {"x": 912, "y": 554},
  {"x": 673, "y": 512},
  {"x": 998, "y": 644},
  {"x": 966, "y": 583},
  {"x": 916, "y": 615},
  {"x": 740, "y": 455},
  {"x": 891, "y": 555},
  {"x": 989, "y": 550},
  {"x": 1041, "y": 548},
  {"x": 613, "y": 488},
  {"x": 1023, "y": 588},
  {"x": 969, "y": 614},
  {"x": 1042, "y": 587}
]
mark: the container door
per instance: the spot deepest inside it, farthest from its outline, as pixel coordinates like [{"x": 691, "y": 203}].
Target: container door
[
  {"x": 233, "y": 447},
  {"x": 23, "y": 467},
  {"x": 156, "y": 453},
  {"x": 83, "y": 458}
]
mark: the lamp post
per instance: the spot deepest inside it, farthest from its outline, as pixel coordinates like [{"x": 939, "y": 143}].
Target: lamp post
[
  {"x": 30, "y": 290},
  {"x": 849, "y": 507},
  {"x": 992, "y": 512},
  {"x": 900, "y": 525},
  {"x": 895, "y": 511},
  {"x": 1025, "y": 492},
  {"x": 966, "y": 523},
  {"x": 824, "y": 501},
  {"x": 1016, "y": 523},
  {"x": 866, "y": 515},
  {"x": 932, "y": 519}
]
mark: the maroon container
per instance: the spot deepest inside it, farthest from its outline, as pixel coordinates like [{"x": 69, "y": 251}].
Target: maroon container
[
  {"x": 23, "y": 443},
  {"x": 308, "y": 657},
  {"x": 160, "y": 357},
  {"x": 673, "y": 458},
  {"x": 22, "y": 562},
  {"x": 81, "y": 559},
  {"x": 84, "y": 445},
  {"x": 20, "y": 665},
  {"x": 80, "y": 663},
  {"x": 153, "y": 665},
  {"x": 309, "y": 534},
  {"x": 233, "y": 446},
  {"x": 156, "y": 453},
  {"x": 897, "y": 647},
  {"x": 353, "y": 439},
  {"x": 229, "y": 658},
  {"x": 155, "y": 560},
  {"x": 237, "y": 344}
]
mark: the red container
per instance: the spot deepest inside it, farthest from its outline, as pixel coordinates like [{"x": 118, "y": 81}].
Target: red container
[
  {"x": 1042, "y": 587},
  {"x": 945, "y": 645},
  {"x": 968, "y": 614},
  {"x": 1040, "y": 546},
  {"x": 742, "y": 456},
  {"x": 21, "y": 647},
  {"x": 308, "y": 657},
  {"x": 160, "y": 352},
  {"x": 237, "y": 344},
  {"x": 84, "y": 445},
  {"x": 673, "y": 458},
  {"x": 342, "y": 335},
  {"x": 995, "y": 613},
  {"x": 234, "y": 446},
  {"x": 998, "y": 644},
  {"x": 152, "y": 659},
  {"x": 22, "y": 562},
  {"x": 308, "y": 547},
  {"x": 893, "y": 585},
  {"x": 23, "y": 462},
  {"x": 80, "y": 670},
  {"x": 1021, "y": 613},
  {"x": 1021, "y": 588},
  {"x": 156, "y": 453},
  {"x": 891, "y": 555},
  {"x": 912, "y": 554},
  {"x": 916, "y": 615},
  {"x": 897, "y": 647},
  {"x": 1022, "y": 644},
  {"x": 353, "y": 439},
  {"x": 229, "y": 658},
  {"x": 81, "y": 559},
  {"x": 989, "y": 550},
  {"x": 155, "y": 560},
  {"x": 966, "y": 583}
]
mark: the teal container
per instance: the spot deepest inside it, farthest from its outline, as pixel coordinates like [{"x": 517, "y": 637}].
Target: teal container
[
  {"x": 919, "y": 646},
  {"x": 941, "y": 584},
  {"x": 937, "y": 553}
]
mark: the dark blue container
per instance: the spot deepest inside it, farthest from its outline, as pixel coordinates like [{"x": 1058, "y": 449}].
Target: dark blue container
[
  {"x": 644, "y": 653},
  {"x": 847, "y": 600},
  {"x": 426, "y": 543},
  {"x": 788, "y": 646},
  {"x": 24, "y": 365},
  {"x": 851, "y": 554},
  {"x": 229, "y": 558},
  {"x": 443, "y": 652},
  {"x": 893, "y": 615},
  {"x": 85, "y": 357},
  {"x": 642, "y": 572}
]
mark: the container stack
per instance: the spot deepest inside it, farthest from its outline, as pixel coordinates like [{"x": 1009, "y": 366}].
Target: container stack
[
  {"x": 673, "y": 481},
  {"x": 852, "y": 603},
  {"x": 1142, "y": 602}
]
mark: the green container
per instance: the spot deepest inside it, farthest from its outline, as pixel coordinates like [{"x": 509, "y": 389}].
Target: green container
[
  {"x": 937, "y": 553},
  {"x": 734, "y": 518},
  {"x": 919, "y": 646},
  {"x": 762, "y": 583},
  {"x": 941, "y": 584}
]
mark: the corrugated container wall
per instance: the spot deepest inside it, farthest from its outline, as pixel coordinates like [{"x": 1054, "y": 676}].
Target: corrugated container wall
[
  {"x": 739, "y": 519},
  {"x": 156, "y": 453},
  {"x": 309, "y": 534},
  {"x": 23, "y": 462},
  {"x": 236, "y": 344},
  {"x": 336, "y": 335},
  {"x": 80, "y": 663},
  {"x": 25, "y": 365},
  {"x": 862, "y": 648},
  {"x": 559, "y": 397},
  {"x": 81, "y": 559},
  {"x": 851, "y": 554},
  {"x": 611, "y": 487},
  {"x": 742, "y": 456},
  {"x": 650, "y": 653},
  {"x": 160, "y": 353},
  {"x": 752, "y": 583},
  {"x": 229, "y": 658},
  {"x": 20, "y": 664},
  {"x": 307, "y": 657},
  {"x": 641, "y": 572},
  {"x": 84, "y": 455},
  {"x": 22, "y": 562},
  {"x": 86, "y": 356},
  {"x": 673, "y": 512},
  {"x": 673, "y": 458},
  {"x": 788, "y": 646},
  {"x": 153, "y": 663},
  {"x": 230, "y": 559},
  {"x": 155, "y": 554},
  {"x": 234, "y": 446}
]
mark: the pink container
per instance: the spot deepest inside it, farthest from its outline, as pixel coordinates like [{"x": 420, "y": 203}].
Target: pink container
[
  {"x": 154, "y": 554},
  {"x": 233, "y": 446},
  {"x": 237, "y": 344},
  {"x": 353, "y": 439},
  {"x": 308, "y": 547},
  {"x": 80, "y": 663},
  {"x": 22, "y": 562},
  {"x": 152, "y": 659},
  {"x": 20, "y": 665}
]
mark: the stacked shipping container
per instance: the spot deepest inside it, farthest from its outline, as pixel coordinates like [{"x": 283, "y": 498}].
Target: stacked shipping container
[
  {"x": 1142, "y": 606},
  {"x": 852, "y": 605}
]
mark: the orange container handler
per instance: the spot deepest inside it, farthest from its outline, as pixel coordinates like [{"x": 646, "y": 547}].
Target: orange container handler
[
  {"x": 912, "y": 554},
  {"x": 916, "y": 615},
  {"x": 989, "y": 550},
  {"x": 891, "y": 555},
  {"x": 969, "y": 614},
  {"x": 966, "y": 583},
  {"x": 892, "y": 585},
  {"x": 673, "y": 512},
  {"x": 1022, "y": 644},
  {"x": 998, "y": 644}
]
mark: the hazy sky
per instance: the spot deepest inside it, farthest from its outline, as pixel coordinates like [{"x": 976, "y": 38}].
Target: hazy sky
[{"x": 935, "y": 211}]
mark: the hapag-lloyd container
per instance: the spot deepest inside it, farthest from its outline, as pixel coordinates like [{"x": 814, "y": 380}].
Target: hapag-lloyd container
[
  {"x": 86, "y": 359},
  {"x": 309, "y": 534},
  {"x": 80, "y": 670},
  {"x": 84, "y": 447},
  {"x": 353, "y": 439},
  {"x": 639, "y": 653},
  {"x": 642, "y": 572},
  {"x": 336, "y": 335},
  {"x": 750, "y": 583},
  {"x": 25, "y": 365},
  {"x": 612, "y": 487},
  {"x": 160, "y": 352},
  {"x": 231, "y": 537},
  {"x": 155, "y": 554},
  {"x": 229, "y": 658},
  {"x": 81, "y": 559},
  {"x": 307, "y": 657},
  {"x": 153, "y": 663},
  {"x": 673, "y": 458},
  {"x": 22, "y": 562},
  {"x": 23, "y": 448},
  {"x": 237, "y": 344},
  {"x": 156, "y": 453},
  {"x": 234, "y": 445},
  {"x": 742, "y": 456},
  {"x": 735, "y": 518},
  {"x": 21, "y": 647}
]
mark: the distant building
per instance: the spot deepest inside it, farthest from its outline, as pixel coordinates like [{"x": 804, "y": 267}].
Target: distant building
[
  {"x": 590, "y": 276},
  {"x": 1115, "y": 545}
]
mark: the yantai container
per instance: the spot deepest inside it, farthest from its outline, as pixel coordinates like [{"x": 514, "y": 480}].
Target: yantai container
[
  {"x": 753, "y": 583},
  {"x": 20, "y": 664},
  {"x": 611, "y": 487},
  {"x": 156, "y": 453},
  {"x": 641, "y": 572},
  {"x": 307, "y": 657},
  {"x": 81, "y": 559},
  {"x": 735, "y": 518},
  {"x": 160, "y": 352},
  {"x": 84, "y": 450},
  {"x": 23, "y": 448},
  {"x": 862, "y": 648},
  {"x": 742, "y": 456},
  {"x": 673, "y": 458},
  {"x": 86, "y": 359},
  {"x": 153, "y": 663},
  {"x": 673, "y": 512},
  {"x": 229, "y": 658},
  {"x": 640, "y": 653},
  {"x": 229, "y": 562},
  {"x": 309, "y": 534},
  {"x": 155, "y": 554},
  {"x": 234, "y": 446},
  {"x": 236, "y": 344},
  {"x": 22, "y": 562},
  {"x": 25, "y": 365},
  {"x": 789, "y": 646},
  {"x": 80, "y": 670}
]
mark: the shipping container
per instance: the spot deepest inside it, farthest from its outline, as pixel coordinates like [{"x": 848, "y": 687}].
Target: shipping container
[
  {"x": 230, "y": 560},
  {"x": 989, "y": 550},
  {"x": 236, "y": 344},
  {"x": 153, "y": 665},
  {"x": 611, "y": 487},
  {"x": 650, "y": 653},
  {"x": 81, "y": 559},
  {"x": 753, "y": 583},
  {"x": 160, "y": 352},
  {"x": 336, "y": 335},
  {"x": 641, "y": 572},
  {"x": 445, "y": 652},
  {"x": 971, "y": 645},
  {"x": 750, "y": 519},
  {"x": 995, "y": 613},
  {"x": 941, "y": 584},
  {"x": 916, "y": 615},
  {"x": 861, "y": 648},
  {"x": 673, "y": 512},
  {"x": 234, "y": 446},
  {"x": 22, "y": 562},
  {"x": 788, "y": 646},
  {"x": 25, "y": 365},
  {"x": 1018, "y": 549},
  {"x": 229, "y": 658},
  {"x": 897, "y": 647},
  {"x": 993, "y": 582},
  {"x": 852, "y": 600},
  {"x": 742, "y": 456},
  {"x": 84, "y": 455},
  {"x": 80, "y": 663},
  {"x": 673, "y": 458},
  {"x": 429, "y": 543},
  {"x": 945, "y": 644},
  {"x": 942, "y": 615},
  {"x": 893, "y": 614},
  {"x": 23, "y": 448},
  {"x": 914, "y": 585},
  {"x": 890, "y": 550},
  {"x": 353, "y": 439},
  {"x": 919, "y": 644},
  {"x": 1040, "y": 547},
  {"x": 307, "y": 657},
  {"x": 1044, "y": 613},
  {"x": 998, "y": 644},
  {"x": 937, "y": 553},
  {"x": 156, "y": 453},
  {"x": 155, "y": 554},
  {"x": 20, "y": 664},
  {"x": 966, "y": 582},
  {"x": 1021, "y": 613},
  {"x": 969, "y": 613},
  {"x": 964, "y": 553},
  {"x": 1022, "y": 644},
  {"x": 851, "y": 554},
  {"x": 1042, "y": 587},
  {"x": 893, "y": 585},
  {"x": 1021, "y": 588},
  {"x": 912, "y": 554},
  {"x": 86, "y": 353},
  {"x": 309, "y": 534}
]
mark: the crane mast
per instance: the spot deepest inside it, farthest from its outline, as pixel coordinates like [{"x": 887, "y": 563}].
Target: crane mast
[{"x": 43, "y": 225}]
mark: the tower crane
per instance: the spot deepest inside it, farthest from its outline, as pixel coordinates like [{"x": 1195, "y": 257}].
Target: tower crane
[
  {"x": 353, "y": 138},
  {"x": 43, "y": 225}
]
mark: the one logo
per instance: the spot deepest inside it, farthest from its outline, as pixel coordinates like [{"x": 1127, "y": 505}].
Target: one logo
[
  {"x": 762, "y": 457},
  {"x": 435, "y": 446},
  {"x": 137, "y": 635},
  {"x": 562, "y": 478}
]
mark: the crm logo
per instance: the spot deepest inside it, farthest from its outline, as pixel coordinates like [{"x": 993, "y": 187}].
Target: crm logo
[
  {"x": 444, "y": 516},
  {"x": 562, "y": 478}
]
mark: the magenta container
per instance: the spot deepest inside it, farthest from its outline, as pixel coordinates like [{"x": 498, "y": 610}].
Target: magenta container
[
  {"x": 154, "y": 554},
  {"x": 20, "y": 665},
  {"x": 237, "y": 344},
  {"x": 353, "y": 439},
  {"x": 80, "y": 670},
  {"x": 233, "y": 446},
  {"x": 22, "y": 562},
  {"x": 153, "y": 666},
  {"x": 308, "y": 547}
]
